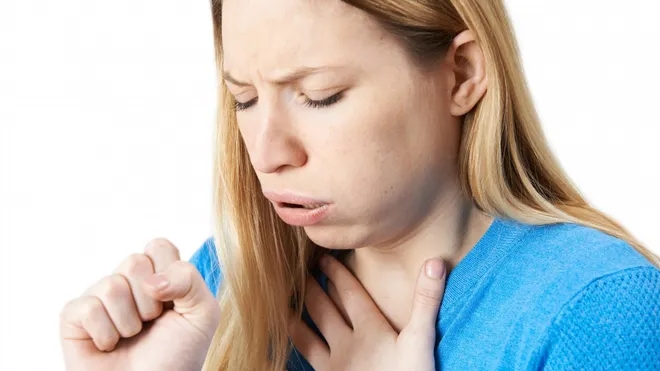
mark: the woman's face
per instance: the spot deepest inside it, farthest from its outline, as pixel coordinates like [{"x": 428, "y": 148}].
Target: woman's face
[{"x": 332, "y": 108}]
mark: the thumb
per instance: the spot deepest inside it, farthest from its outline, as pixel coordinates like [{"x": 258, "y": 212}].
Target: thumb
[
  {"x": 183, "y": 285},
  {"x": 429, "y": 291}
]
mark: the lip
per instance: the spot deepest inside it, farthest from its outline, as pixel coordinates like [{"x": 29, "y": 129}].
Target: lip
[{"x": 300, "y": 217}]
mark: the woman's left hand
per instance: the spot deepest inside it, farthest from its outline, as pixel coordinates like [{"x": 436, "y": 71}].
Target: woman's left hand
[{"x": 369, "y": 342}]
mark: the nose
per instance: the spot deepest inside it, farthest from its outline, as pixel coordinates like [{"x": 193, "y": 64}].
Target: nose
[{"x": 275, "y": 145}]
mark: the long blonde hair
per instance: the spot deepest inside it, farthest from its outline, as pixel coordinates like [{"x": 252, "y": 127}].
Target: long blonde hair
[{"x": 506, "y": 168}]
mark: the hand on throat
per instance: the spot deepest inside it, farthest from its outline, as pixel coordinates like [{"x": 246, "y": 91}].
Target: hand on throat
[{"x": 389, "y": 274}]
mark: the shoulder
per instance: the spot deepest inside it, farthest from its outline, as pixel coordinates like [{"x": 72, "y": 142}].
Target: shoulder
[
  {"x": 612, "y": 323},
  {"x": 595, "y": 296},
  {"x": 572, "y": 245},
  {"x": 568, "y": 257},
  {"x": 205, "y": 259}
]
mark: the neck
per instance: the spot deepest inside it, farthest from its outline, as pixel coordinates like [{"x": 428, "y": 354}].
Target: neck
[{"x": 389, "y": 272}]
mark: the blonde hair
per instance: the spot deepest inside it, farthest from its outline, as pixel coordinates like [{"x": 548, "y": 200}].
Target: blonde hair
[{"x": 506, "y": 168}]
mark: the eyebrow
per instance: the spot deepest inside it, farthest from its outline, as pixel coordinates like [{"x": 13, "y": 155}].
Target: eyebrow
[{"x": 285, "y": 76}]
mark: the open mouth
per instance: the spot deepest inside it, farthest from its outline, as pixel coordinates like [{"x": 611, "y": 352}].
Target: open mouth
[
  {"x": 301, "y": 206},
  {"x": 299, "y": 210}
]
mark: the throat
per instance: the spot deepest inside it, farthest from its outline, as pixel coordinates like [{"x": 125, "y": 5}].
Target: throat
[
  {"x": 391, "y": 291},
  {"x": 395, "y": 303}
]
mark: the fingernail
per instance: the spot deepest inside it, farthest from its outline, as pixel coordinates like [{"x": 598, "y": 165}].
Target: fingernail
[
  {"x": 158, "y": 282},
  {"x": 435, "y": 268}
]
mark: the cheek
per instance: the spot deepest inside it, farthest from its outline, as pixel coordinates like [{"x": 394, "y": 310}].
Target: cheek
[
  {"x": 396, "y": 154},
  {"x": 374, "y": 151},
  {"x": 248, "y": 133},
  {"x": 359, "y": 143}
]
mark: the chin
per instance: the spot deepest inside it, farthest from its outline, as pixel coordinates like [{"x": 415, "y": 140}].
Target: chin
[{"x": 339, "y": 237}]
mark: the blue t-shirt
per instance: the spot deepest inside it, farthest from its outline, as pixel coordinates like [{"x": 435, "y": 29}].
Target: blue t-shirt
[{"x": 555, "y": 297}]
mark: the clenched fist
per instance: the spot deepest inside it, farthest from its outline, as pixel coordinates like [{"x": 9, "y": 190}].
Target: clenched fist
[{"x": 154, "y": 313}]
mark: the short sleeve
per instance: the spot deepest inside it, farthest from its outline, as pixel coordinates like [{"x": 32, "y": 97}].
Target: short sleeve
[
  {"x": 205, "y": 259},
  {"x": 612, "y": 324}
]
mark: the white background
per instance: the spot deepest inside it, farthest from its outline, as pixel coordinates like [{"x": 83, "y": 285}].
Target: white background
[{"x": 107, "y": 109}]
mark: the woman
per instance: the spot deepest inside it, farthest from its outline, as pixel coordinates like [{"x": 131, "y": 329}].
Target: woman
[{"x": 385, "y": 133}]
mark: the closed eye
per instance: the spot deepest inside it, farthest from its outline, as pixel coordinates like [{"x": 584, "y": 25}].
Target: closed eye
[
  {"x": 240, "y": 106},
  {"x": 324, "y": 102}
]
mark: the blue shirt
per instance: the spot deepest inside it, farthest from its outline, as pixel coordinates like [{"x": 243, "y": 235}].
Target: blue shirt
[{"x": 553, "y": 297}]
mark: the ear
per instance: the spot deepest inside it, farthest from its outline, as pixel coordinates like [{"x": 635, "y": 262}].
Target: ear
[{"x": 468, "y": 66}]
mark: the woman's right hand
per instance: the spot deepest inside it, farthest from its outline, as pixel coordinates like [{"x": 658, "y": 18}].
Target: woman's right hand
[{"x": 135, "y": 320}]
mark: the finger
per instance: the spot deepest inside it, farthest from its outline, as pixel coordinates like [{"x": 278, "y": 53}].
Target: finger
[
  {"x": 162, "y": 253},
  {"x": 357, "y": 303},
  {"x": 334, "y": 295},
  {"x": 115, "y": 293},
  {"x": 182, "y": 284},
  {"x": 136, "y": 268},
  {"x": 324, "y": 314},
  {"x": 85, "y": 318},
  {"x": 429, "y": 290},
  {"x": 312, "y": 347}
]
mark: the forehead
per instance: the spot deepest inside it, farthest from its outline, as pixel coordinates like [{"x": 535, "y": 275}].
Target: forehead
[{"x": 272, "y": 34}]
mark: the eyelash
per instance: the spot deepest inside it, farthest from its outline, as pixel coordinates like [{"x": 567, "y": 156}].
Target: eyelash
[{"x": 239, "y": 106}]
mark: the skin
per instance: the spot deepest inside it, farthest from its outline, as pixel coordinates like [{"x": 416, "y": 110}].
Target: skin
[
  {"x": 384, "y": 155},
  {"x": 126, "y": 321},
  {"x": 359, "y": 337}
]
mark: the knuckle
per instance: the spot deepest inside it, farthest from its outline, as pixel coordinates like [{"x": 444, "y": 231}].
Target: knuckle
[
  {"x": 137, "y": 263},
  {"x": 114, "y": 287},
  {"x": 68, "y": 309},
  {"x": 428, "y": 296},
  {"x": 92, "y": 308},
  {"x": 152, "y": 312},
  {"x": 128, "y": 326},
  {"x": 132, "y": 329},
  {"x": 158, "y": 245}
]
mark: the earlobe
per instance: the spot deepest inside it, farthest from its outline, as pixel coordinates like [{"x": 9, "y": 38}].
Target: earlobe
[{"x": 468, "y": 66}]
